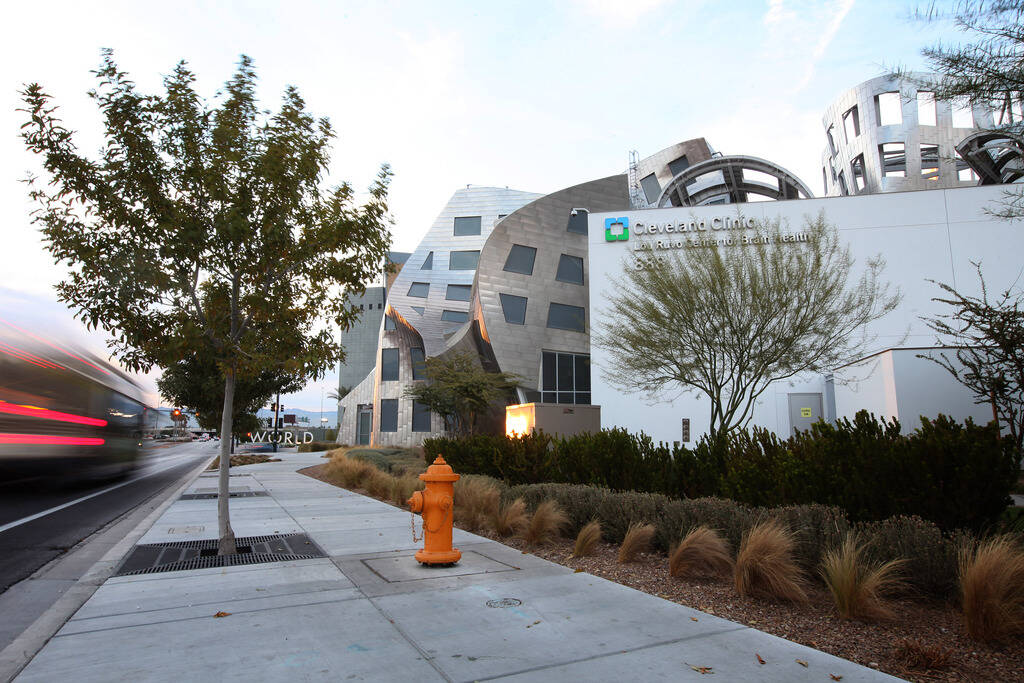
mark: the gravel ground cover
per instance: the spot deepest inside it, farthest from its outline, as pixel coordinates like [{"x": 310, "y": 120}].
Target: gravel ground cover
[{"x": 924, "y": 642}]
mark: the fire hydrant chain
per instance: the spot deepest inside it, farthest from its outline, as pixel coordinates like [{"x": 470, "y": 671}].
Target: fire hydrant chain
[
  {"x": 436, "y": 503},
  {"x": 412, "y": 524}
]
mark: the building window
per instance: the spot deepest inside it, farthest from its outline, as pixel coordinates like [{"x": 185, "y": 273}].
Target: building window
[
  {"x": 501, "y": 215},
  {"x": 930, "y": 162},
  {"x": 520, "y": 259},
  {"x": 566, "y": 317},
  {"x": 389, "y": 415},
  {"x": 428, "y": 263},
  {"x": 454, "y": 316},
  {"x": 419, "y": 309},
  {"x": 458, "y": 292},
  {"x": 419, "y": 289},
  {"x": 570, "y": 269},
  {"x": 651, "y": 188},
  {"x": 965, "y": 173},
  {"x": 467, "y": 225},
  {"x": 831, "y": 140},
  {"x": 851, "y": 123},
  {"x": 463, "y": 260},
  {"x": 577, "y": 222},
  {"x": 389, "y": 323},
  {"x": 565, "y": 378},
  {"x": 389, "y": 365},
  {"x": 888, "y": 109},
  {"x": 420, "y": 417},
  {"x": 514, "y": 308},
  {"x": 963, "y": 116},
  {"x": 679, "y": 165},
  {"x": 893, "y": 160},
  {"x": 419, "y": 363},
  {"x": 925, "y": 108},
  {"x": 859, "y": 180},
  {"x": 361, "y": 307},
  {"x": 843, "y": 189}
]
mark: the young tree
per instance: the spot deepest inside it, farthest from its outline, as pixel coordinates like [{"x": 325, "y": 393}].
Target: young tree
[
  {"x": 989, "y": 336},
  {"x": 459, "y": 390},
  {"x": 727, "y": 321},
  {"x": 189, "y": 203}
]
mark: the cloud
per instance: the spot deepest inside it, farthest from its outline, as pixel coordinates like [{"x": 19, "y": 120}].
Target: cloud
[{"x": 789, "y": 23}]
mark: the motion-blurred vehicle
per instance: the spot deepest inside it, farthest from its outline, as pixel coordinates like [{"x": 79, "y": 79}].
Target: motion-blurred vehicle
[
  {"x": 244, "y": 448},
  {"x": 64, "y": 413}
]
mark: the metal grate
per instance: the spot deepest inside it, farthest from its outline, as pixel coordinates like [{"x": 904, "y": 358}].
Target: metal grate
[
  {"x": 213, "y": 496},
  {"x": 171, "y": 556}
]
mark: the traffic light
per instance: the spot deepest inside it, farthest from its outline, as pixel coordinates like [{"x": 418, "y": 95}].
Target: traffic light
[{"x": 176, "y": 413}]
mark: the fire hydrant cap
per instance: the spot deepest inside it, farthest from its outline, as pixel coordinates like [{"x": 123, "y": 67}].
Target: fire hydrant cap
[{"x": 439, "y": 471}]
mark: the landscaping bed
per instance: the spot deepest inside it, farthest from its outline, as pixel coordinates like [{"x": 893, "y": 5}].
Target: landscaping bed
[{"x": 239, "y": 460}]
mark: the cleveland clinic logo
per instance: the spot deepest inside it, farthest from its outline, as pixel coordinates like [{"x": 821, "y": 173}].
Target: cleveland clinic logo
[{"x": 616, "y": 229}]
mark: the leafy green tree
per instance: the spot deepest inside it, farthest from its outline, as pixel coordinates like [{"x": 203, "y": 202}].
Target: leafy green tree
[
  {"x": 727, "y": 321},
  {"x": 459, "y": 390},
  {"x": 205, "y": 229}
]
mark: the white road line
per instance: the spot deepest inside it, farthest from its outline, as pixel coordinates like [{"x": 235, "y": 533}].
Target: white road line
[{"x": 25, "y": 520}]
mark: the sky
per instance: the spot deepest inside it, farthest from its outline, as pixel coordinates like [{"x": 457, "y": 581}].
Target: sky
[{"x": 535, "y": 96}]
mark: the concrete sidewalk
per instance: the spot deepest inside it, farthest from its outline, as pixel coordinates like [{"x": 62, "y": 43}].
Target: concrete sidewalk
[{"x": 370, "y": 612}]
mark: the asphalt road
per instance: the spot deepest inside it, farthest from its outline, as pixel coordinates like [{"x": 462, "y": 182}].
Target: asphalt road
[{"x": 39, "y": 522}]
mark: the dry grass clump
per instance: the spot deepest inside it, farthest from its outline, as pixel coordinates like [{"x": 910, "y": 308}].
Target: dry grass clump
[
  {"x": 348, "y": 472},
  {"x": 378, "y": 484},
  {"x": 510, "y": 519},
  {"x": 921, "y": 656},
  {"x": 992, "y": 589},
  {"x": 702, "y": 552},
  {"x": 403, "y": 487},
  {"x": 858, "y": 586},
  {"x": 546, "y": 522},
  {"x": 476, "y": 502},
  {"x": 765, "y": 566},
  {"x": 586, "y": 539},
  {"x": 637, "y": 540}
]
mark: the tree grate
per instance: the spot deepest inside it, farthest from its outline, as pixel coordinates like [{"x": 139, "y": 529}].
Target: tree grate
[
  {"x": 213, "y": 496},
  {"x": 151, "y": 558}
]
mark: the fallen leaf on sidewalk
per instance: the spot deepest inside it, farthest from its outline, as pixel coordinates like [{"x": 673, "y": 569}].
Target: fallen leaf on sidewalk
[
  {"x": 533, "y": 624},
  {"x": 221, "y": 614},
  {"x": 693, "y": 618},
  {"x": 760, "y": 659},
  {"x": 802, "y": 663},
  {"x": 702, "y": 669},
  {"x": 835, "y": 677}
]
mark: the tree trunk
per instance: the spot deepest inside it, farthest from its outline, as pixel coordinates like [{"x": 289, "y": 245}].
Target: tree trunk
[{"x": 226, "y": 535}]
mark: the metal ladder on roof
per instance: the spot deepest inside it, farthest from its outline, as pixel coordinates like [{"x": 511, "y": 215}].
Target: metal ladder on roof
[{"x": 637, "y": 200}]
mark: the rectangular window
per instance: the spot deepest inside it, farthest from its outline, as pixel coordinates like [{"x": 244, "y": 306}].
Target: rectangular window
[
  {"x": 419, "y": 309},
  {"x": 963, "y": 117},
  {"x": 851, "y": 123},
  {"x": 389, "y": 323},
  {"x": 514, "y": 308},
  {"x": 463, "y": 260},
  {"x": 679, "y": 165},
  {"x": 889, "y": 109},
  {"x": 420, "y": 417},
  {"x": 389, "y": 415},
  {"x": 428, "y": 263},
  {"x": 467, "y": 225},
  {"x": 925, "y": 108},
  {"x": 930, "y": 162},
  {"x": 570, "y": 269},
  {"x": 419, "y": 290},
  {"x": 389, "y": 365},
  {"x": 577, "y": 222},
  {"x": 548, "y": 362},
  {"x": 965, "y": 173},
  {"x": 566, "y": 317},
  {"x": 520, "y": 259},
  {"x": 831, "y": 140},
  {"x": 843, "y": 189},
  {"x": 419, "y": 363},
  {"x": 458, "y": 292},
  {"x": 651, "y": 188},
  {"x": 565, "y": 377},
  {"x": 858, "y": 172},
  {"x": 454, "y": 316},
  {"x": 892, "y": 158}
]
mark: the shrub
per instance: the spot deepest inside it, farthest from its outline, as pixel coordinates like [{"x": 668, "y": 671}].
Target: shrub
[
  {"x": 857, "y": 586},
  {"x": 930, "y": 556},
  {"x": 510, "y": 518},
  {"x": 637, "y": 540},
  {"x": 378, "y": 484},
  {"x": 476, "y": 502},
  {"x": 546, "y": 522},
  {"x": 587, "y": 539},
  {"x": 314, "y": 446},
  {"x": 347, "y": 472},
  {"x": 391, "y": 460},
  {"x": 992, "y": 589},
  {"x": 765, "y": 566},
  {"x": 403, "y": 488},
  {"x": 702, "y": 552}
]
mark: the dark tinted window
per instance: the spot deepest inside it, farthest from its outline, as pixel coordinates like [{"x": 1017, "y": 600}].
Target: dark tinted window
[
  {"x": 566, "y": 317},
  {"x": 454, "y": 316},
  {"x": 389, "y": 365},
  {"x": 419, "y": 309},
  {"x": 578, "y": 223},
  {"x": 463, "y": 260},
  {"x": 420, "y": 417},
  {"x": 548, "y": 372},
  {"x": 419, "y": 289},
  {"x": 428, "y": 263},
  {"x": 389, "y": 322},
  {"x": 419, "y": 365},
  {"x": 652, "y": 188},
  {"x": 458, "y": 292},
  {"x": 520, "y": 259},
  {"x": 467, "y": 225},
  {"x": 565, "y": 378},
  {"x": 514, "y": 308},
  {"x": 570, "y": 269},
  {"x": 679, "y": 165},
  {"x": 582, "y": 374},
  {"x": 389, "y": 415}
]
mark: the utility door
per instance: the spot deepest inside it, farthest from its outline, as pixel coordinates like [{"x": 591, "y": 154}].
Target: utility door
[
  {"x": 364, "y": 425},
  {"x": 804, "y": 410}
]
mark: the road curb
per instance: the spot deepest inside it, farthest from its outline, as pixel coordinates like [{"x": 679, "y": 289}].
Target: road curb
[{"x": 22, "y": 649}]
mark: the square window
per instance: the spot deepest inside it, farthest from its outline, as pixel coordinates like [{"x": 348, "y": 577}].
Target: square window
[
  {"x": 578, "y": 222},
  {"x": 428, "y": 263},
  {"x": 463, "y": 260},
  {"x": 566, "y": 317},
  {"x": 570, "y": 269},
  {"x": 467, "y": 225},
  {"x": 651, "y": 188},
  {"x": 389, "y": 415},
  {"x": 888, "y": 109},
  {"x": 454, "y": 316},
  {"x": 458, "y": 292},
  {"x": 419, "y": 290},
  {"x": 520, "y": 259},
  {"x": 420, "y": 417},
  {"x": 419, "y": 363},
  {"x": 389, "y": 365},
  {"x": 893, "y": 160},
  {"x": 679, "y": 165},
  {"x": 514, "y": 308}
]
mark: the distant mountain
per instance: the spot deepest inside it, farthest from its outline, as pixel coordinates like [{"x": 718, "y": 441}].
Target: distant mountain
[{"x": 312, "y": 415}]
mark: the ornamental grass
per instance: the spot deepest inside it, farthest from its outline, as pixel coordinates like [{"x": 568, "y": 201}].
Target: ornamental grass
[
  {"x": 765, "y": 566},
  {"x": 858, "y": 587},
  {"x": 701, "y": 553},
  {"x": 637, "y": 540},
  {"x": 992, "y": 589}
]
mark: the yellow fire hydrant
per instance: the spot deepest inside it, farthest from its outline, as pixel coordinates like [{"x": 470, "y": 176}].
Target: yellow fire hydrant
[{"x": 437, "y": 505}]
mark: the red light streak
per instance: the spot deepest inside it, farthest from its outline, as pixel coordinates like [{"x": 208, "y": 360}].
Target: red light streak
[
  {"x": 53, "y": 345},
  {"x": 32, "y": 411},
  {"x": 28, "y": 357},
  {"x": 46, "y": 440}
]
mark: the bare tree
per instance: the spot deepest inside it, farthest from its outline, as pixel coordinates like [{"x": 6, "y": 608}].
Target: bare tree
[{"x": 727, "y": 321}]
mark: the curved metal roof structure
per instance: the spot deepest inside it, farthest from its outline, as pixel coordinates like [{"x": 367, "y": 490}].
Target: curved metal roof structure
[
  {"x": 731, "y": 180},
  {"x": 997, "y": 156}
]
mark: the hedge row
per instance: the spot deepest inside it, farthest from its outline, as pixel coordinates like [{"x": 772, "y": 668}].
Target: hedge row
[{"x": 955, "y": 475}]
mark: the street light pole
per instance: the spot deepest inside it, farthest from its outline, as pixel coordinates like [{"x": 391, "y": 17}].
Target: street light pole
[{"x": 277, "y": 409}]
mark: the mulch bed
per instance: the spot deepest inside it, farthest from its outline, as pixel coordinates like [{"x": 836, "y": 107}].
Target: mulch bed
[
  {"x": 923, "y": 633},
  {"x": 239, "y": 460}
]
